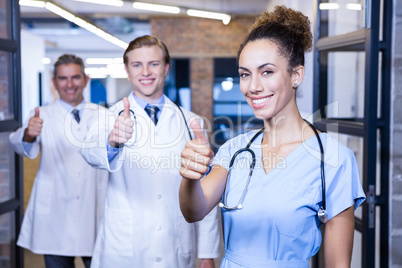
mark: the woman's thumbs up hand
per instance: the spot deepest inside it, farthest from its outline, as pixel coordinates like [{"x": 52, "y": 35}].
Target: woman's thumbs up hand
[{"x": 196, "y": 156}]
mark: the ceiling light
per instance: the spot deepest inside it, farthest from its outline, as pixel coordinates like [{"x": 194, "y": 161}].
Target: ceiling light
[
  {"x": 116, "y": 3},
  {"x": 46, "y": 61},
  {"x": 225, "y": 18},
  {"x": 32, "y": 3},
  {"x": 326, "y": 6},
  {"x": 156, "y": 8},
  {"x": 103, "y": 60},
  {"x": 96, "y": 72},
  {"x": 354, "y": 6},
  {"x": 113, "y": 70},
  {"x": 227, "y": 84},
  {"x": 85, "y": 24},
  {"x": 116, "y": 70},
  {"x": 59, "y": 11}
]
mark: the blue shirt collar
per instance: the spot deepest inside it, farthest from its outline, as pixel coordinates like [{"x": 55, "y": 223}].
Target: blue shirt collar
[
  {"x": 160, "y": 102},
  {"x": 68, "y": 107}
]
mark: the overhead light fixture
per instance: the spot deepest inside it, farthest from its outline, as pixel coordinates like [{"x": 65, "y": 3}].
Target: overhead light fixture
[
  {"x": 104, "y": 60},
  {"x": 32, "y": 3},
  {"x": 156, "y": 8},
  {"x": 115, "y": 70},
  {"x": 354, "y": 6},
  {"x": 85, "y": 24},
  {"x": 75, "y": 19},
  {"x": 225, "y": 18},
  {"x": 96, "y": 72},
  {"x": 116, "y": 3},
  {"x": 327, "y": 6},
  {"x": 60, "y": 11},
  {"x": 227, "y": 84},
  {"x": 46, "y": 61}
]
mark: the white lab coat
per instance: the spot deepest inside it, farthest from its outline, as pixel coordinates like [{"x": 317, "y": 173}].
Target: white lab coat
[
  {"x": 62, "y": 214},
  {"x": 143, "y": 225}
]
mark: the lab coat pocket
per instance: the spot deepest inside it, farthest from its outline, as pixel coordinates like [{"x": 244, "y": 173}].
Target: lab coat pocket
[
  {"x": 118, "y": 232},
  {"x": 44, "y": 193}
]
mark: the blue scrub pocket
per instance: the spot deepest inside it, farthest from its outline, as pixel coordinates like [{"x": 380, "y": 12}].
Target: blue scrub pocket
[
  {"x": 291, "y": 225},
  {"x": 292, "y": 209}
]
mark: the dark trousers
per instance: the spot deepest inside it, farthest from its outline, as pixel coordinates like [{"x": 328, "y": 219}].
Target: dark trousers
[{"x": 54, "y": 261}]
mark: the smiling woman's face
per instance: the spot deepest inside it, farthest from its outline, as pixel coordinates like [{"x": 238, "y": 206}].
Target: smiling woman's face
[{"x": 265, "y": 80}]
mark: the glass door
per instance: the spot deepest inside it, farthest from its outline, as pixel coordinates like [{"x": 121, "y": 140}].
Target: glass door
[
  {"x": 352, "y": 100},
  {"x": 10, "y": 118}
]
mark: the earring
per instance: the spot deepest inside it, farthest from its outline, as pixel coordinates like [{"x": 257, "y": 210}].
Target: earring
[{"x": 295, "y": 84}]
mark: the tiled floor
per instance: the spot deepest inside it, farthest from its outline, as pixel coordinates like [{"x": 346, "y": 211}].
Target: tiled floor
[{"x": 32, "y": 260}]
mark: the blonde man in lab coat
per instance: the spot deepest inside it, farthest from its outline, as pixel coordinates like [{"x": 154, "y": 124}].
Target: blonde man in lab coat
[
  {"x": 68, "y": 194},
  {"x": 142, "y": 224}
]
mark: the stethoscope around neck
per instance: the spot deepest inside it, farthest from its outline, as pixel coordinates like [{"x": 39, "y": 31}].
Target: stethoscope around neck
[
  {"x": 182, "y": 114},
  {"x": 321, "y": 213}
]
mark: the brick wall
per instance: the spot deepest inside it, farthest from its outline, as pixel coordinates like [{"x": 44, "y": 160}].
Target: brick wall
[
  {"x": 3, "y": 28},
  {"x": 201, "y": 40},
  {"x": 396, "y": 146}
]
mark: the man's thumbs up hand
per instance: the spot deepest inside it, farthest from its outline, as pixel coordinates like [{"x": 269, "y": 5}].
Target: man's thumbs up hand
[
  {"x": 126, "y": 105},
  {"x": 36, "y": 112},
  {"x": 123, "y": 127},
  {"x": 34, "y": 127}
]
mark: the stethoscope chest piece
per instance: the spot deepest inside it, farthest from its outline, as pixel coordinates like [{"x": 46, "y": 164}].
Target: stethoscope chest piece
[
  {"x": 239, "y": 206},
  {"x": 322, "y": 215}
]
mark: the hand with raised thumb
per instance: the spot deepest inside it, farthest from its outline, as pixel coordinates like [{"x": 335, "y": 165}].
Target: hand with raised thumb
[
  {"x": 126, "y": 111},
  {"x": 123, "y": 127},
  {"x": 200, "y": 137},
  {"x": 196, "y": 156},
  {"x": 34, "y": 127}
]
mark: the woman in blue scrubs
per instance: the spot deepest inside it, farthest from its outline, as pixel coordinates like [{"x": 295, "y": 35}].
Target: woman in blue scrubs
[{"x": 271, "y": 220}]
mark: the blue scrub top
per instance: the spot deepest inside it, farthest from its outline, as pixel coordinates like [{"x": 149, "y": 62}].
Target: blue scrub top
[{"x": 278, "y": 224}]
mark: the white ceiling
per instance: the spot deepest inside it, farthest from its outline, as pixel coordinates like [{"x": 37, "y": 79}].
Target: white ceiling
[
  {"x": 124, "y": 22},
  {"x": 96, "y": 10}
]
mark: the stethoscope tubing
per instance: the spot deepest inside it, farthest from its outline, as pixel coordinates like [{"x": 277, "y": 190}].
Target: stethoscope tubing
[
  {"x": 181, "y": 111},
  {"x": 322, "y": 164},
  {"x": 322, "y": 213}
]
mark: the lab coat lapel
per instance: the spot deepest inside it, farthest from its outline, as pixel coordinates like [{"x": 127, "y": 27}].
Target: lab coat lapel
[{"x": 172, "y": 125}]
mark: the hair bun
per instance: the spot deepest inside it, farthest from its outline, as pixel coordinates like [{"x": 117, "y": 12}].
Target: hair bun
[{"x": 294, "y": 20}]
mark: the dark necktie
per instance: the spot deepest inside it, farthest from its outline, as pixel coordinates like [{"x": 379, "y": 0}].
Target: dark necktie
[
  {"x": 76, "y": 114},
  {"x": 151, "y": 111}
]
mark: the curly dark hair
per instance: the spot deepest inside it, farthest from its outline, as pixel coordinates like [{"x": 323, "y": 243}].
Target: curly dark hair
[{"x": 287, "y": 28}]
